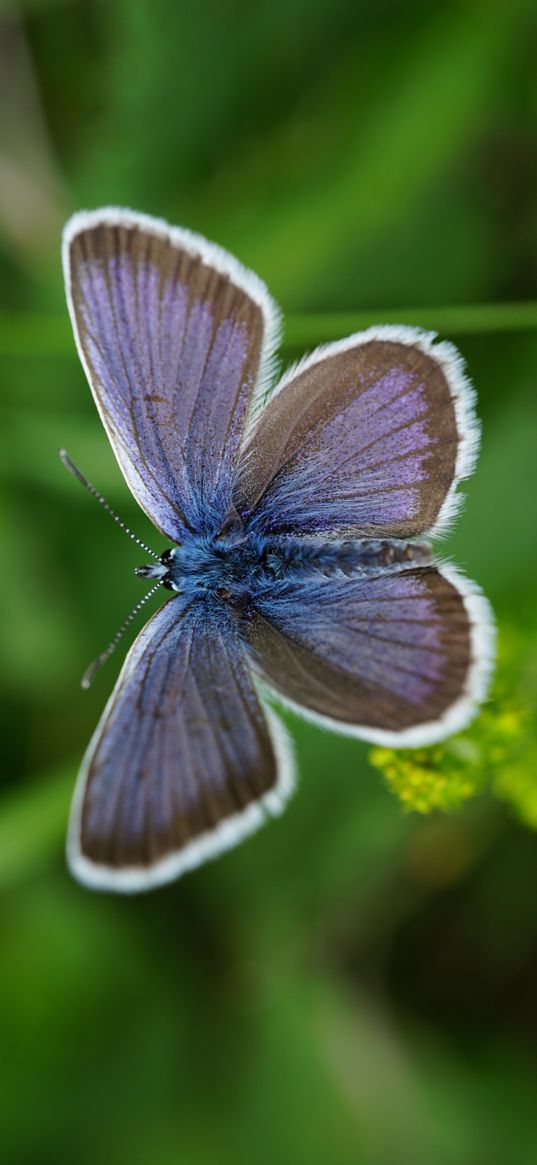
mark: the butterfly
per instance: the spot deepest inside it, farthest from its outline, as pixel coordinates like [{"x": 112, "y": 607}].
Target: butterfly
[{"x": 300, "y": 565}]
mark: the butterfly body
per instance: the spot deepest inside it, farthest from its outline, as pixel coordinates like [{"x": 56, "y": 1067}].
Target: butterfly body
[
  {"x": 240, "y": 568},
  {"x": 301, "y": 522}
]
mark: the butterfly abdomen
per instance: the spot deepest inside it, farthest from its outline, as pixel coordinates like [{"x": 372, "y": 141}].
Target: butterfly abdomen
[{"x": 289, "y": 558}]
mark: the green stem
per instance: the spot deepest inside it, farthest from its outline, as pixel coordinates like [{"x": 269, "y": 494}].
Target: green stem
[{"x": 34, "y": 334}]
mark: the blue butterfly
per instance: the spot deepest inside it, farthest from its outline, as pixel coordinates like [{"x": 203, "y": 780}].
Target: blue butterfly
[{"x": 300, "y": 565}]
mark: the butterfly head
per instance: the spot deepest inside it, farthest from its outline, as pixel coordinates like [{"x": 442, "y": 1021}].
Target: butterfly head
[
  {"x": 157, "y": 570},
  {"x": 226, "y": 564}
]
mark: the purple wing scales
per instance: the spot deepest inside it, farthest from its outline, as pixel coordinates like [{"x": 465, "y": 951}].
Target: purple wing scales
[
  {"x": 185, "y": 761},
  {"x": 174, "y": 336},
  {"x": 400, "y": 659},
  {"x": 367, "y": 437}
]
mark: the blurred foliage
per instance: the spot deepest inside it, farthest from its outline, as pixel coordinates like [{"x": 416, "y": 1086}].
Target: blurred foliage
[{"x": 355, "y": 985}]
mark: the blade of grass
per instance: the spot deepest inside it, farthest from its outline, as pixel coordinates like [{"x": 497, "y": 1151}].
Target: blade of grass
[
  {"x": 34, "y": 334},
  {"x": 307, "y": 330},
  {"x": 32, "y": 824}
]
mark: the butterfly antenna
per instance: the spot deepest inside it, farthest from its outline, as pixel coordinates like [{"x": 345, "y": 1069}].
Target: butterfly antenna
[
  {"x": 91, "y": 672},
  {"x": 66, "y": 460}
]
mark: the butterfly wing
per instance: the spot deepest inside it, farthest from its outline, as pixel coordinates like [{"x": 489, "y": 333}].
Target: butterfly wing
[
  {"x": 184, "y": 762},
  {"x": 397, "y": 659},
  {"x": 175, "y": 337},
  {"x": 366, "y": 437}
]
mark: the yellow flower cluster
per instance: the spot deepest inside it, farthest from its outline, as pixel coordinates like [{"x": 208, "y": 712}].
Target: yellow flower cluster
[{"x": 497, "y": 752}]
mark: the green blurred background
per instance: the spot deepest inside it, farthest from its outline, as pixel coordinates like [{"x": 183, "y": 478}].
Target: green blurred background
[{"x": 357, "y": 985}]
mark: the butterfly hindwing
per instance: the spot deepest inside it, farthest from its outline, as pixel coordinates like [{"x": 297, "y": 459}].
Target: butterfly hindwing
[
  {"x": 175, "y": 337},
  {"x": 399, "y": 659},
  {"x": 366, "y": 437},
  {"x": 184, "y": 762}
]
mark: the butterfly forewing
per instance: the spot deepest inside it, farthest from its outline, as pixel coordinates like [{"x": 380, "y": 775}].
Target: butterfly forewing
[
  {"x": 184, "y": 762},
  {"x": 366, "y": 437},
  {"x": 174, "y": 335},
  {"x": 397, "y": 659}
]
